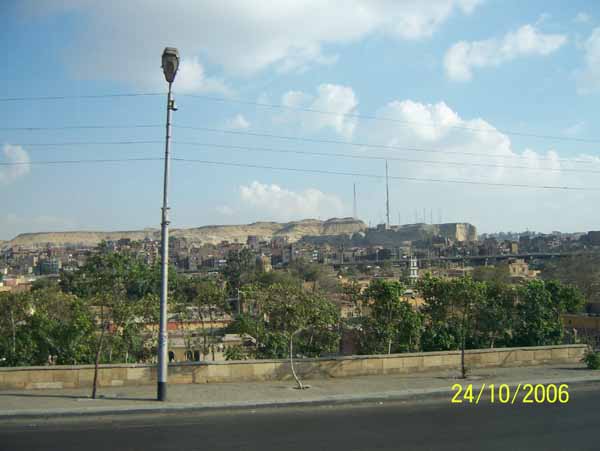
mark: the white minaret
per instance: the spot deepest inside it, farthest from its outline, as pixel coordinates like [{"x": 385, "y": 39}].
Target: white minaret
[{"x": 414, "y": 270}]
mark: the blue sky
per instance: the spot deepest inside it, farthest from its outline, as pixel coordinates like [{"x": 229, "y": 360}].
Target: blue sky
[{"x": 469, "y": 79}]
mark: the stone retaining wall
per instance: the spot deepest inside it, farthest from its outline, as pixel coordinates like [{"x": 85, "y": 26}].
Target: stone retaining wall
[{"x": 44, "y": 377}]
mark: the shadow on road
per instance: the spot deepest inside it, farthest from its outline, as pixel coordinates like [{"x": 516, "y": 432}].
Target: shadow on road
[{"x": 65, "y": 396}]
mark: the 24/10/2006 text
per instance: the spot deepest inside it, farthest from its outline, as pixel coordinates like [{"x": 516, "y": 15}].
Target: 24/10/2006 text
[{"x": 505, "y": 394}]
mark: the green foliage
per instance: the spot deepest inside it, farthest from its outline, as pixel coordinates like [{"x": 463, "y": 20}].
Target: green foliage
[
  {"x": 235, "y": 352},
  {"x": 122, "y": 292},
  {"x": 279, "y": 312},
  {"x": 567, "y": 298},
  {"x": 592, "y": 360},
  {"x": 204, "y": 300},
  {"x": 538, "y": 316},
  {"x": 581, "y": 272},
  {"x": 392, "y": 325},
  {"x": 495, "y": 316},
  {"x": 451, "y": 307},
  {"x": 45, "y": 323},
  {"x": 498, "y": 275},
  {"x": 494, "y": 313},
  {"x": 239, "y": 270},
  {"x": 306, "y": 271},
  {"x": 267, "y": 279},
  {"x": 43, "y": 283}
]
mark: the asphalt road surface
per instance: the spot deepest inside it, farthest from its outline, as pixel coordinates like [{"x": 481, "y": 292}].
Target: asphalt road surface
[{"x": 408, "y": 425}]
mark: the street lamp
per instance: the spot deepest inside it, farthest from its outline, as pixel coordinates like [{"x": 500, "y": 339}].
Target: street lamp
[{"x": 170, "y": 64}]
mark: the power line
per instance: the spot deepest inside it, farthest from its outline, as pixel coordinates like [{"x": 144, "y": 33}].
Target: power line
[
  {"x": 312, "y": 153},
  {"x": 79, "y": 127},
  {"x": 75, "y": 97},
  {"x": 294, "y": 138},
  {"x": 374, "y": 157},
  {"x": 414, "y": 179},
  {"x": 91, "y": 143},
  {"x": 307, "y": 171},
  {"x": 389, "y": 119},
  {"x": 51, "y": 146},
  {"x": 308, "y": 110},
  {"x": 367, "y": 145},
  {"x": 59, "y": 162}
]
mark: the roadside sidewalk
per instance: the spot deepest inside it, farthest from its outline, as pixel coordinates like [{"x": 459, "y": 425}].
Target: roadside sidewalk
[{"x": 122, "y": 400}]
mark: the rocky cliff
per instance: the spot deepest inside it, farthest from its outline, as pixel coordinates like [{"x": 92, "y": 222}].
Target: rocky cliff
[
  {"x": 398, "y": 235},
  {"x": 201, "y": 235}
]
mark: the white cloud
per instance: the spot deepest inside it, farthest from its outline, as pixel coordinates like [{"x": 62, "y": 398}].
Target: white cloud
[
  {"x": 225, "y": 210},
  {"x": 438, "y": 127},
  {"x": 242, "y": 36},
  {"x": 588, "y": 77},
  {"x": 191, "y": 78},
  {"x": 278, "y": 203},
  {"x": 582, "y": 17},
  {"x": 576, "y": 129},
  {"x": 491, "y": 158},
  {"x": 463, "y": 57},
  {"x": 238, "y": 122},
  {"x": 17, "y": 155},
  {"x": 338, "y": 101}
]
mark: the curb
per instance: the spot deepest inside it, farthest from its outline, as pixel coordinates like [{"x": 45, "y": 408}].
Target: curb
[{"x": 443, "y": 393}]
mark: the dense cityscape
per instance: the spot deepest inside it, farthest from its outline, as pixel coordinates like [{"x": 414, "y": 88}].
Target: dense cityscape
[
  {"x": 206, "y": 325},
  {"x": 342, "y": 225}
]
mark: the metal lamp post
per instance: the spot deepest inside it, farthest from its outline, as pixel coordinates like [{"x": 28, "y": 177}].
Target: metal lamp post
[{"x": 170, "y": 64}]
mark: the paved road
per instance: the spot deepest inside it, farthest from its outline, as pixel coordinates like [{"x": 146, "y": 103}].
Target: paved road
[{"x": 409, "y": 425}]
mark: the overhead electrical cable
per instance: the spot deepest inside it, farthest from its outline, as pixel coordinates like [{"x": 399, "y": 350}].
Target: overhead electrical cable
[
  {"x": 389, "y": 119},
  {"x": 75, "y": 97},
  {"x": 377, "y": 157},
  {"x": 306, "y": 171},
  {"x": 79, "y": 127},
  {"x": 365, "y": 145}
]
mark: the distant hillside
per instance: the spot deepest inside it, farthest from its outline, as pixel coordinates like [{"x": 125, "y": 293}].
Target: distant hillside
[{"x": 212, "y": 234}]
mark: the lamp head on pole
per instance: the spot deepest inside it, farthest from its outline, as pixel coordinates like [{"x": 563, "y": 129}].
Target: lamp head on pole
[{"x": 170, "y": 63}]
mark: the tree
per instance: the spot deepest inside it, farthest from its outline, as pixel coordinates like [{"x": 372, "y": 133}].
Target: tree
[
  {"x": 305, "y": 270},
  {"x": 492, "y": 274},
  {"x": 43, "y": 323},
  {"x": 495, "y": 316},
  {"x": 567, "y": 298},
  {"x": 539, "y": 308},
  {"x": 14, "y": 311},
  {"x": 239, "y": 270},
  {"x": 204, "y": 300},
  {"x": 117, "y": 288},
  {"x": 450, "y": 309},
  {"x": 287, "y": 320},
  {"x": 391, "y": 324},
  {"x": 441, "y": 329},
  {"x": 581, "y": 272}
]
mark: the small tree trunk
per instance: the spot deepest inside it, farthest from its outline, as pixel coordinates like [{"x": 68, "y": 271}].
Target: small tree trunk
[
  {"x": 97, "y": 363},
  {"x": 390, "y": 346},
  {"x": 14, "y": 333},
  {"x": 300, "y": 386},
  {"x": 463, "y": 371}
]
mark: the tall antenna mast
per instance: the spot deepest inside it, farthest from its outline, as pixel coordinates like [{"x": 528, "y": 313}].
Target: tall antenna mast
[
  {"x": 354, "y": 205},
  {"x": 387, "y": 195}
]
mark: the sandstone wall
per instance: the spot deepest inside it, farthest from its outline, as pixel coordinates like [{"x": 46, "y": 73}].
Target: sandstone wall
[{"x": 46, "y": 377}]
